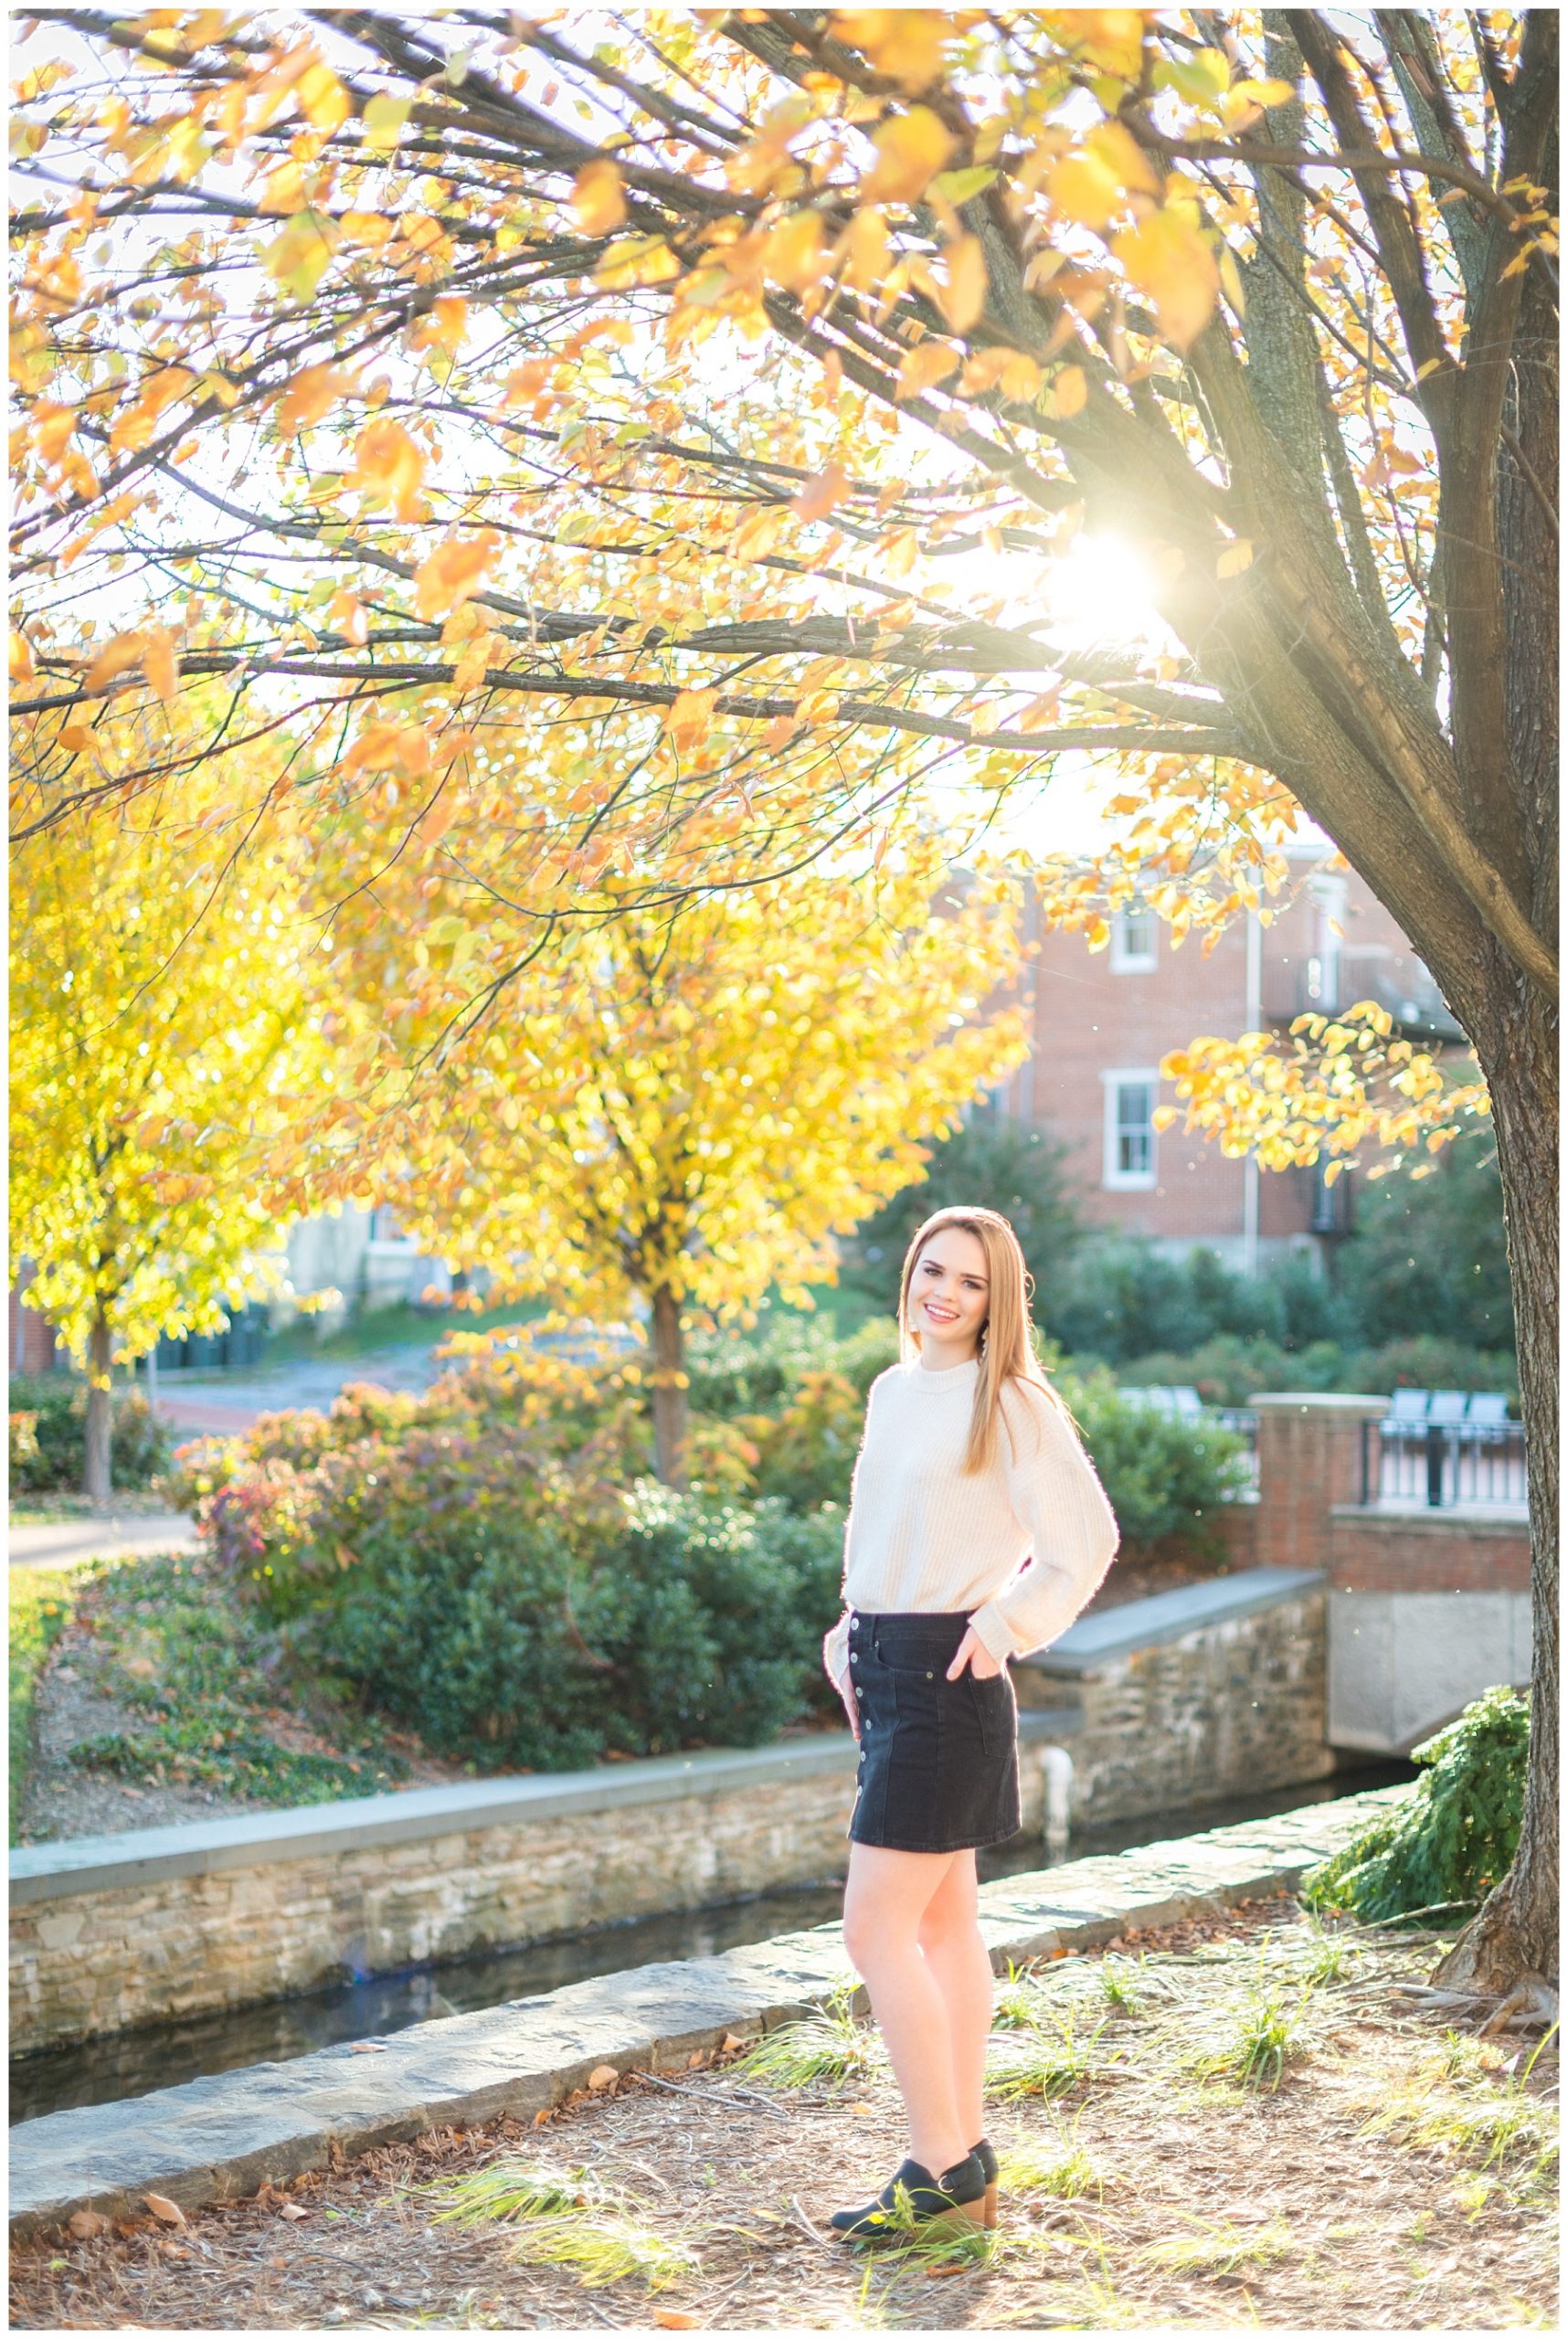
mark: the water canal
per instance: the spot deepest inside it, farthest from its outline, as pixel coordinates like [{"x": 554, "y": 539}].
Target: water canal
[{"x": 130, "y": 2063}]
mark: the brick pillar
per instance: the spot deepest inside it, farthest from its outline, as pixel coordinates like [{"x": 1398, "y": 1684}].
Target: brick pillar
[{"x": 1308, "y": 1458}]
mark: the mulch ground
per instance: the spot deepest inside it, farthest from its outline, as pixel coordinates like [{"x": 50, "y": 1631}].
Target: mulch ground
[{"x": 1374, "y": 2172}]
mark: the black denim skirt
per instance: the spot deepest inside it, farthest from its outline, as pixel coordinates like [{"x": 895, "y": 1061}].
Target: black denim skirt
[{"x": 938, "y": 1759}]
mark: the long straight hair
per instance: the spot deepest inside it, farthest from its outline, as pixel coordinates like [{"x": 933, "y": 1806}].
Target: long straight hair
[{"x": 1006, "y": 1344}]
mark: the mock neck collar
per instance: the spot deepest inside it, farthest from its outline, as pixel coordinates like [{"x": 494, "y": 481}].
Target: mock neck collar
[{"x": 952, "y": 1376}]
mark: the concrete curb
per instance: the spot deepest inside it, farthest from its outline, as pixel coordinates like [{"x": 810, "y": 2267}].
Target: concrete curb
[{"x": 217, "y": 2138}]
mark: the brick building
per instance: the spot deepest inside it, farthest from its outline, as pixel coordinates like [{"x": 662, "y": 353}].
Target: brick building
[{"x": 1102, "y": 1020}]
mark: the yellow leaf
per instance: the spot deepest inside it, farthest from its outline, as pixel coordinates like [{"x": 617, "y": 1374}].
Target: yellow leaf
[
  {"x": 794, "y": 253},
  {"x": 599, "y": 200},
  {"x": 301, "y": 256},
  {"x": 911, "y": 148},
  {"x": 1166, "y": 256},
  {"x": 367, "y": 227},
  {"x": 453, "y": 573},
  {"x": 962, "y": 298},
  {"x": 1234, "y": 558},
  {"x": 904, "y": 43},
  {"x": 382, "y": 122},
  {"x": 1021, "y": 378},
  {"x": 284, "y": 188},
  {"x": 323, "y": 98},
  {"x": 1085, "y": 189}
]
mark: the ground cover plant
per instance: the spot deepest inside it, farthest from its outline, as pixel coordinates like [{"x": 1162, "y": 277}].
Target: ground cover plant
[
  {"x": 39, "y": 1604},
  {"x": 179, "y": 1688},
  {"x": 1389, "y": 2176}
]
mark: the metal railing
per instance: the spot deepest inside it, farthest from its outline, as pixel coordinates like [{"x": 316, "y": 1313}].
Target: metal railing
[{"x": 1442, "y": 1464}]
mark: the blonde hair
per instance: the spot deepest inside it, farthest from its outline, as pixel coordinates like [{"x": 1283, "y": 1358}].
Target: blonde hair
[{"x": 1006, "y": 1344}]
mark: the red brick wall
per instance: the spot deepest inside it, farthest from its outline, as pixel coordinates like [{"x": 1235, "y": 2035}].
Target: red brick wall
[
  {"x": 1088, "y": 1019},
  {"x": 1372, "y": 1551}
]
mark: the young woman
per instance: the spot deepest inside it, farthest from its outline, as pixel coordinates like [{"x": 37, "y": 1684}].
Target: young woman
[{"x": 977, "y": 1531}]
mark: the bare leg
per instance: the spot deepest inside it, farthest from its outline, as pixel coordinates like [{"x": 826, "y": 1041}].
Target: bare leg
[
  {"x": 959, "y": 1962},
  {"x": 886, "y": 1899}
]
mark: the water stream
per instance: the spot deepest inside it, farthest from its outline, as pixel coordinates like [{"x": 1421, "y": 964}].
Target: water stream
[{"x": 135, "y": 2062}]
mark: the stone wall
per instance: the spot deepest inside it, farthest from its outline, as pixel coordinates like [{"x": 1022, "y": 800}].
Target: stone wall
[{"x": 1221, "y": 1692}]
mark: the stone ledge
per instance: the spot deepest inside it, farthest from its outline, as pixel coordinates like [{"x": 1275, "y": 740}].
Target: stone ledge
[
  {"x": 1466, "y": 1521},
  {"x": 217, "y": 2138},
  {"x": 1094, "y": 1641},
  {"x": 150, "y": 1855}
]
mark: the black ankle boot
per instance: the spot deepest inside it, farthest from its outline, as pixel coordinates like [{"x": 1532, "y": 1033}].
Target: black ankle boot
[
  {"x": 988, "y": 2161},
  {"x": 956, "y": 2197}
]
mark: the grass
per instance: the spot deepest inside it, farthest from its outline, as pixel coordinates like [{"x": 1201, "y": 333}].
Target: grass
[
  {"x": 828, "y": 2048},
  {"x": 1458, "y": 2103},
  {"x": 1118, "y": 1988},
  {"x": 41, "y": 1604},
  {"x": 1058, "y": 2165},
  {"x": 402, "y": 1325},
  {"x": 1221, "y": 2249},
  {"x": 206, "y": 1680},
  {"x": 562, "y": 2217},
  {"x": 1051, "y": 2058}
]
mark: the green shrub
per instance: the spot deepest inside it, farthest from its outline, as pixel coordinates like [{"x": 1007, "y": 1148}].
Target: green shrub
[
  {"x": 511, "y": 1613},
  {"x": 1005, "y": 1165},
  {"x": 1225, "y": 1370},
  {"x": 1449, "y": 1843},
  {"x": 49, "y": 1435},
  {"x": 1163, "y": 1475},
  {"x": 731, "y": 1373},
  {"x": 1428, "y": 1361}
]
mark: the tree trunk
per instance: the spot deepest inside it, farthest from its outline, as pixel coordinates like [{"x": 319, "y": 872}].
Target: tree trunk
[
  {"x": 669, "y": 1390},
  {"x": 1516, "y": 1929},
  {"x": 97, "y": 1474}
]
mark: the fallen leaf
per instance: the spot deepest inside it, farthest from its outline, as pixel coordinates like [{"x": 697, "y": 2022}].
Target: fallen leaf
[
  {"x": 86, "y": 2225},
  {"x": 540, "y": 2117},
  {"x": 732, "y": 2045},
  {"x": 605, "y": 2076},
  {"x": 670, "y": 2318},
  {"x": 292, "y": 2211},
  {"x": 167, "y": 2212},
  {"x": 368, "y": 2046}
]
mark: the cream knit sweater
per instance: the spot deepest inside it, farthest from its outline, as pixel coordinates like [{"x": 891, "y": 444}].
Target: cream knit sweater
[{"x": 921, "y": 1536}]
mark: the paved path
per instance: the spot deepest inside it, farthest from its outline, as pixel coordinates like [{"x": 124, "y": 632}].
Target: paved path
[{"x": 70, "y": 1542}]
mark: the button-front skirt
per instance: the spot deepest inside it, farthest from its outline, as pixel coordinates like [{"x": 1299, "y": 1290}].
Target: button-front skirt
[{"x": 938, "y": 1759}]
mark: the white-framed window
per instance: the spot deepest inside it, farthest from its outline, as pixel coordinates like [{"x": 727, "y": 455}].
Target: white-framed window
[
  {"x": 1133, "y": 940},
  {"x": 1131, "y": 1098},
  {"x": 385, "y": 1232}
]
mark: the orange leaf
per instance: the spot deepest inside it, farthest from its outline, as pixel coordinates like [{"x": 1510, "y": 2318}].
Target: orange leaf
[
  {"x": 1069, "y": 389},
  {"x": 454, "y": 573},
  {"x": 599, "y": 200},
  {"x": 690, "y": 716},
  {"x": 167, "y": 2212},
  {"x": 160, "y": 661},
  {"x": 820, "y": 495},
  {"x": 389, "y": 467},
  {"x": 311, "y": 394},
  {"x": 346, "y": 611},
  {"x": 924, "y": 368}
]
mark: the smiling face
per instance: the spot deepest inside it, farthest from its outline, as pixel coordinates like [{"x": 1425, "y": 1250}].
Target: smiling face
[{"x": 949, "y": 1295}]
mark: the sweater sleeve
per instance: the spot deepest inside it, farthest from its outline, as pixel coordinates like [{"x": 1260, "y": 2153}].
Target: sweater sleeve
[{"x": 1056, "y": 1496}]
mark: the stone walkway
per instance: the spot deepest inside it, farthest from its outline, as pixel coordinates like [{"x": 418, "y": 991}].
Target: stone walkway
[{"x": 71, "y": 1543}]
